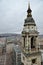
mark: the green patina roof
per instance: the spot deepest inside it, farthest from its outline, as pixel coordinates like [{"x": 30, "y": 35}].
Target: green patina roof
[{"x": 29, "y": 21}]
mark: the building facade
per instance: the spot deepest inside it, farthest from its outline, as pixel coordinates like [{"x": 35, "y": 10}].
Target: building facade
[
  {"x": 2, "y": 54},
  {"x": 30, "y": 46},
  {"x": 16, "y": 55}
]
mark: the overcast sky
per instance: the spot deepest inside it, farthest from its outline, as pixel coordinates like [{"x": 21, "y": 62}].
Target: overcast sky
[{"x": 13, "y": 13}]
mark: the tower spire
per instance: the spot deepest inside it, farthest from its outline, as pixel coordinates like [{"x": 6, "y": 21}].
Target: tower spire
[
  {"x": 29, "y": 10},
  {"x": 29, "y": 4}
]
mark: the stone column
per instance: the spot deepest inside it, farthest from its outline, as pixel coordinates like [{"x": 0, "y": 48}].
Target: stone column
[
  {"x": 27, "y": 42},
  {"x": 22, "y": 41},
  {"x": 37, "y": 43}
]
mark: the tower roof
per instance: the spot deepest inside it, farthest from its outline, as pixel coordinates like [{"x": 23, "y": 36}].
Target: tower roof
[{"x": 29, "y": 20}]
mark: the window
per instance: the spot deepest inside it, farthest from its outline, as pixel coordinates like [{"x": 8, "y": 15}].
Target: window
[
  {"x": 28, "y": 27},
  {"x": 34, "y": 61},
  {"x": 32, "y": 27},
  {"x": 23, "y": 58},
  {"x": 22, "y": 63}
]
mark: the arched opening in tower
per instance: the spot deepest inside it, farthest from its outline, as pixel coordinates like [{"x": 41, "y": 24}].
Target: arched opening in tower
[
  {"x": 22, "y": 63},
  {"x": 32, "y": 42}
]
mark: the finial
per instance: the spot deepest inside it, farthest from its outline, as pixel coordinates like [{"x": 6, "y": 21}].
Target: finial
[
  {"x": 29, "y": 10},
  {"x": 29, "y": 4}
]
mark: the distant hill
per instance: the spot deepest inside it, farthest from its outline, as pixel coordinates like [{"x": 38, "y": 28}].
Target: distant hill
[
  {"x": 15, "y": 35},
  {"x": 11, "y": 38},
  {"x": 40, "y": 36},
  {"x": 9, "y": 35},
  {"x": 17, "y": 39}
]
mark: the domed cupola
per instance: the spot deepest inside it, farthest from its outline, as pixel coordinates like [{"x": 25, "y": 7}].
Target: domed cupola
[{"x": 29, "y": 20}]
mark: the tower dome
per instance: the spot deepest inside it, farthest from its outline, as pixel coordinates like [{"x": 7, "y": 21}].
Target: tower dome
[{"x": 29, "y": 20}]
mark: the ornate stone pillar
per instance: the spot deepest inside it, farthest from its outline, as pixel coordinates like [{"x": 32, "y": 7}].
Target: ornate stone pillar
[
  {"x": 37, "y": 43},
  {"x": 22, "y": 41},
  {"x": 27, "y": 42}
]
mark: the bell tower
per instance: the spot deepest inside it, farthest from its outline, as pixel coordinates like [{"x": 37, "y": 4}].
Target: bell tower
[
  {"x": 30, "y": 45},
  {"x": 30, "y": 33}
]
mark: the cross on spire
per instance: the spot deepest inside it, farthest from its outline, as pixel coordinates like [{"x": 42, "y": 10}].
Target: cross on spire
[
  {"x": 29, "y": 4},
  {"x": 29, "y": 10}
]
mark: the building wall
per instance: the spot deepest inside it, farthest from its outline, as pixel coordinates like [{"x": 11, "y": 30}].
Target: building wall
[
  {"x": 9, "y": 58},
  {"x": 41, "y": 42},
  {"x": 28, "y": 60},
  {"x": 2, "y": 60}
]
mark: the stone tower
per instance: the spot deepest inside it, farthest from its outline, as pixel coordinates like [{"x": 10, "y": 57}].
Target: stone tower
[{"x": 30, "y": 47}]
